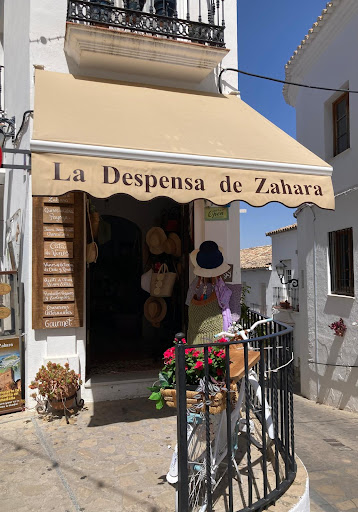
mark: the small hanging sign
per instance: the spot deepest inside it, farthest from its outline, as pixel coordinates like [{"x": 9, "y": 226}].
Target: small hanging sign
[
  {"x": 227, "y": 277},
  {"x": 216, "y": 213}
]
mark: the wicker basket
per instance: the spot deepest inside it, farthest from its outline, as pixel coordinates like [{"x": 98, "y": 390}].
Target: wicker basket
[{"x": 217, "y": 401}]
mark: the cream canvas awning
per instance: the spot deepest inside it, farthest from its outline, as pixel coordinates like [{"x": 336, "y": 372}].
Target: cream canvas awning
[{"x": 106, "y": 138}]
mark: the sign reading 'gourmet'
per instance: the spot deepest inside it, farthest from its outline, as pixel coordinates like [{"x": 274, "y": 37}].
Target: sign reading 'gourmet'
[
  {"x": 58, "y": 263},
  {"x": 145, "y": 180}
]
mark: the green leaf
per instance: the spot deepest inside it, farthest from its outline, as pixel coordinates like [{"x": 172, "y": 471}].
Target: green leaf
[
  {"x": 155, "y": 396},
  {"x": 159, "y": 405},
  {"x": 164, "y": 380},
  {"x": 154, "y": 388}
]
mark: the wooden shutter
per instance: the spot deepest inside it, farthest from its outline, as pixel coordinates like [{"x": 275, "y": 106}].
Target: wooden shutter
[{"x": 58, "y": 261}]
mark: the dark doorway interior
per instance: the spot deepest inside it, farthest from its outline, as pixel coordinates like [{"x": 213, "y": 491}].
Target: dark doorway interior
[{"x": 119, "y": 337}]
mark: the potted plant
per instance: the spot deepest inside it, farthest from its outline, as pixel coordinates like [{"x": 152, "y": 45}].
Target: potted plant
[
  {"x": 56, "y": 385},
  {"x": 165, "y": 391}
]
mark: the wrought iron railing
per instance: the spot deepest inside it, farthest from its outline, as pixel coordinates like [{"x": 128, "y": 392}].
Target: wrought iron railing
[
  {"x": 286, "y": 297},
  {"x": 156, "y": 17},
  {"x": 260, "y": 473}
]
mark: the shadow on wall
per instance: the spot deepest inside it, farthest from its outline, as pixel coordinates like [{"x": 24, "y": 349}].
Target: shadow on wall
[
  {"x": 340, "y": 308},
  {"x": 331, "y": 383}
]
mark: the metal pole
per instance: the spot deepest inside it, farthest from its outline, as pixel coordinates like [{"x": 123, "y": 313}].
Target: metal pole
[{"x": 182, "y": 441}]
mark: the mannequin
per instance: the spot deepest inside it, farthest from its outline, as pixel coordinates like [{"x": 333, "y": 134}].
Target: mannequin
[{"x": 208, "y": 297}]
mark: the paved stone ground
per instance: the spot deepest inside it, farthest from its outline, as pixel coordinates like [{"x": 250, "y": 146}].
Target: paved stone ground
[
  {"x": 327, "y": 443},
  {"x": 114, "y": 457}
]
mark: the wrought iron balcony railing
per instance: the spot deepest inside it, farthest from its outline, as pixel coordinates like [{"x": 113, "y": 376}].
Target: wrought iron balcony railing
[
  {"x": 155, "y": 17},
  {"x": 288, "y": 295}
]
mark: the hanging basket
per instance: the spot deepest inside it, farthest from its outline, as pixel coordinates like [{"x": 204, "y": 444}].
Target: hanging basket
[{"x": 217, "y": 401}]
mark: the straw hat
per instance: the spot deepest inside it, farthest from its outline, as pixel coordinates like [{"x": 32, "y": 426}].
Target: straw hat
[
  {"x": 155, "y": 309},
  {"x": 155, "y": 239},
  {"x": 208, "y": 260},
  {"x": 172, "y": 245}
]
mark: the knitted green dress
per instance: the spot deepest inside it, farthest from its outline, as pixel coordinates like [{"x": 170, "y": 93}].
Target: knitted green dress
[{"x": 205, "y": 320}]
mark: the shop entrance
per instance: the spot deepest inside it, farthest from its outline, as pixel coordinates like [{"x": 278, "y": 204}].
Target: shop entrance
[{"x": 122, "y": 336}]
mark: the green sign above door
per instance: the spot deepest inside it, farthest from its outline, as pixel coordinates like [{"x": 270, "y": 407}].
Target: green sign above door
[{"x": 216, "y": 213}]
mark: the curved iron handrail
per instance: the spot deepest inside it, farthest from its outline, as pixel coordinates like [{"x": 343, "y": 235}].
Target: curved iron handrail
[{"x": 275, "y": 376}]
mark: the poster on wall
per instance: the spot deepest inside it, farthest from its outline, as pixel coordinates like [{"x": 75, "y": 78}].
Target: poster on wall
[{"x": 10, "y": 375}]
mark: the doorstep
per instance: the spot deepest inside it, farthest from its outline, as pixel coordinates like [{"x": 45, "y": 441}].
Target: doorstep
[{"x": 118, "y": 386}]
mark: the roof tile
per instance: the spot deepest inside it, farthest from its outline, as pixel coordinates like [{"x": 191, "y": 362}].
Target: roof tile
[{"x": 256, "y": 257}]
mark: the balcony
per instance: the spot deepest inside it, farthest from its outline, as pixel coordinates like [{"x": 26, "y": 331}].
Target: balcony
[
  {"x": 286, "y": 297},
  {"x": 146, "y": 37}
]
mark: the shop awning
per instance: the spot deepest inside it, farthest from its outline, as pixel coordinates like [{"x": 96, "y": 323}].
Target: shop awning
[{"x": 106, "y": 138}]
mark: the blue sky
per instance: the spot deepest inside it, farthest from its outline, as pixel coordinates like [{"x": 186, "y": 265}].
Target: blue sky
[{"x": 268, "y": 34}]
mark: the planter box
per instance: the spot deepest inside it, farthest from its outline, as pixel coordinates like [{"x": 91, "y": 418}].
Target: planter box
[{"x": 217, "y": 401}]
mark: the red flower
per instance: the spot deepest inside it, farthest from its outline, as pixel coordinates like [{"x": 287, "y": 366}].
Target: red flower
[
  {"x": 222, "y": 340},
  {"x": 210, "y": 361},
  {"x": 219, "y": 371},
  {"x": 199, "y": 365}
]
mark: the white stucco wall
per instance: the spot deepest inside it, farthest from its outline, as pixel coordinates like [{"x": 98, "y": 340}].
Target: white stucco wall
[
  {"x": 328, "y": 363},
  {"x": 284, "y": 247},
  {"x": 37, "y": 39},
  {"x": 256, "y": 278}
]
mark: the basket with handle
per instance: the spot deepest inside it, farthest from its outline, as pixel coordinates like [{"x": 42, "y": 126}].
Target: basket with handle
[{"x": 162, "y": 282}]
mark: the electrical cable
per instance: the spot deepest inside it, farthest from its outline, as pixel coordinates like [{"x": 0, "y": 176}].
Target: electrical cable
[
  {"x": 333, "y": 364},
  {"x": 280, "y": 81},
  {"x": 26, "y": 113}
]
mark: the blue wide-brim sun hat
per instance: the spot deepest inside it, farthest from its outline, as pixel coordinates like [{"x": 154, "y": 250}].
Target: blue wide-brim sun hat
[{"x": 208, "y": 260}]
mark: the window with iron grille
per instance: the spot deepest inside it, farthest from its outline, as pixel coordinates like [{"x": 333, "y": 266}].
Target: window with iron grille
[
  {"x": 341, "y": 261},
  {"x": 341, "y": 124}
]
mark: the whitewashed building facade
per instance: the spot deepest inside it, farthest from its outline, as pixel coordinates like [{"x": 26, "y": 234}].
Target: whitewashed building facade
[{"x": 327, "y": 123}]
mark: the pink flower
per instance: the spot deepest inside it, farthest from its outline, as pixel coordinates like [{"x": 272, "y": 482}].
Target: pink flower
[{"x": 199, "y": 365}]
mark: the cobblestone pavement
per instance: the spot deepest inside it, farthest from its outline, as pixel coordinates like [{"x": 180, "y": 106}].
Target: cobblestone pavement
[
  {"x": 114, "y": 457},
  {"x": 327, "y": 443}
]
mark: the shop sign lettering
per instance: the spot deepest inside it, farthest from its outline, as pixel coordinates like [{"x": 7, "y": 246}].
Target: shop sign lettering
[
  {"x": 58, "y": 267},
  {"x": 59, "y": 309},
  {"x": 58, "y": 231},
  {"x": 58, "y": 281},
  {"x": 57, "y": 323},
  {"x": 150, "y": 183},
  {"x": 58, "y": 295},
  {"x": 58, "y": 249},
  {"x": 216, "y": 213},
  {"x": 59, "y": 214},
  {"x": 68, "y": 198}
]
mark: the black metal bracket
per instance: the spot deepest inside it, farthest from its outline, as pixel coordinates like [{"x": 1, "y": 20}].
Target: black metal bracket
[{"x": 24, "y": 167}]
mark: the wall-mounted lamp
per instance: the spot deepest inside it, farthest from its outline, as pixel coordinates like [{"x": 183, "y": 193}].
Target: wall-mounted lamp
[
  {"x": 280, "y": 269},
  {"x": 7, "y": 128}
]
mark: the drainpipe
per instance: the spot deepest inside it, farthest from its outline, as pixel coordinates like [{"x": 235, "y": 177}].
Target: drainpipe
[{"x": 315, "y": 298}]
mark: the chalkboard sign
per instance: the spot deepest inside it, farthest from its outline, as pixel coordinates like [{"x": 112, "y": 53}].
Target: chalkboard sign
[{"x": 58, "y": 261}]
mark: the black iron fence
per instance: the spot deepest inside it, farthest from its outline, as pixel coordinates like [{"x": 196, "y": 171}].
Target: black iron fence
[
  {"x": 286, "y": 297},
  {"x": 243, "y": 458},
  {"x": 156, "y": 17}
]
